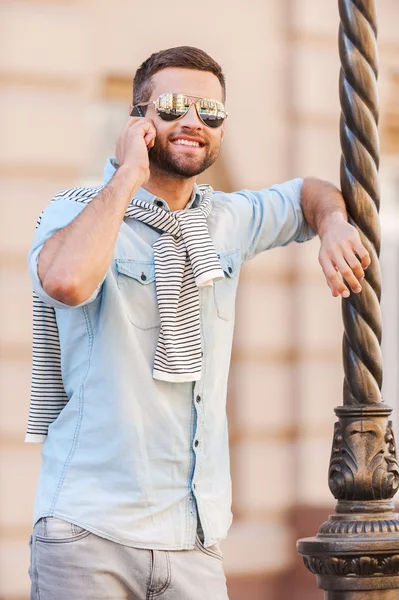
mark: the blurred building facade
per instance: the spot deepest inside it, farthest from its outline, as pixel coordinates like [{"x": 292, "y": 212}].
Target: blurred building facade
[{"x": 66, "y": 68}]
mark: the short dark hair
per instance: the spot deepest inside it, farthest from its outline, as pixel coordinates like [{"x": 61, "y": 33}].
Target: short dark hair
[{"x": 184, "y": 57}]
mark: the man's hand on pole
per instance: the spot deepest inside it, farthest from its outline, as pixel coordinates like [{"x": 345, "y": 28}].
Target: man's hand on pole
[{"x": 342, "y": 255}]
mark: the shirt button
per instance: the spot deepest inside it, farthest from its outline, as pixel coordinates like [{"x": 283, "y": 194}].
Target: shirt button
[
  {"x": 198, "y": 398},
  {"x": 143, "y": 277},
  {"x": 230, "y": 270},
  {"x": 159, "y": 203},
  {"x": 196, "y": 443}
]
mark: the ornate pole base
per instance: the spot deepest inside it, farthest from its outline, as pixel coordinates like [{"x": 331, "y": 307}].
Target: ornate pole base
[
  {"x": 355, "y": 555},
  {"x": 349, "y": 566}
]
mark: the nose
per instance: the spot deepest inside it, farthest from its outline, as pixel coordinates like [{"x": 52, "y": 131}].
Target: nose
[{"x": 191, "y": 119}]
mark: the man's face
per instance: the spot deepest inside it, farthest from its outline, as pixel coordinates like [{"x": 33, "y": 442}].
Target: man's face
[{"x": 168, "y": 154}]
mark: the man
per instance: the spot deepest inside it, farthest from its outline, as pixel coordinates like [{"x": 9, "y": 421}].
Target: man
[{"x": 135, "y": 284}]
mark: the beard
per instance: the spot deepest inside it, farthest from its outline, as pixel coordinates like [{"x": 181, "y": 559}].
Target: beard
[{"x": 182, "y": 167}]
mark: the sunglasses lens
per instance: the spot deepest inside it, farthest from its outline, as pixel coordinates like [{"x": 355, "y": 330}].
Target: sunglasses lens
[
  {"x": 212, "y": 121},
  {"x": 211, "y": 112},
  {"x": 172, "y": 106}
]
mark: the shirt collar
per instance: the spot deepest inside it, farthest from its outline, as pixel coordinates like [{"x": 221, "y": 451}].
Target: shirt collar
[{"x": 144, "y": 195}]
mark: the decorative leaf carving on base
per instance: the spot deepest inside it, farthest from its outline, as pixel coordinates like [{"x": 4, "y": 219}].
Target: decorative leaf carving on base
[
  {"x": 363, "y": 463},
  {"x": 354, "y": 566},
  {"x": 359, "y": 527}
]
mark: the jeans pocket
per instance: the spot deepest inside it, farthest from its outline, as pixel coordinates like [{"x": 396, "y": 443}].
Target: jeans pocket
[
  {"x": 53, "y": 529},
  {"x": 213, "y": 551}
]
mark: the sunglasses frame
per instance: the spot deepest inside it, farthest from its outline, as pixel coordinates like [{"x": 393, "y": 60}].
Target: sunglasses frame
[{"x": 156, "y": 103}]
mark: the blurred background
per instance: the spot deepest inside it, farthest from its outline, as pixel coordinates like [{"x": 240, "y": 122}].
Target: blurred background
[{"x": 66, "y": 69}]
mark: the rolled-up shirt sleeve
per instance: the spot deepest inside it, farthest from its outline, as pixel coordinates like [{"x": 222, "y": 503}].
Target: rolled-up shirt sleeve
[
  {"x": 56, "y": 215},
  {"x": 271, "y": 217}
]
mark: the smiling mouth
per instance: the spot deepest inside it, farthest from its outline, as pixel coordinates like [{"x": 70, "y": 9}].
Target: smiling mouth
[{"x": 187, "y": 143}]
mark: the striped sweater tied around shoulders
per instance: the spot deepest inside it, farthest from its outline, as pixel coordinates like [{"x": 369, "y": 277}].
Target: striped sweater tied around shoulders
[{"x": 185, "y": 259}]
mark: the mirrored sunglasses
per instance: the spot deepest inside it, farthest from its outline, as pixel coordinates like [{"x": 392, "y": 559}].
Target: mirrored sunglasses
[{"x": 170, "y": 107}]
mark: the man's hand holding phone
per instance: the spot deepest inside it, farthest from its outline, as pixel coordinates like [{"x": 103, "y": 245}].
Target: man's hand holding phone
[{"x": 132, "y": 146}]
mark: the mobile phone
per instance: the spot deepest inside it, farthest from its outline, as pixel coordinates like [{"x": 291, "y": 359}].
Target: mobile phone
[{"x": 136, "y": 112}]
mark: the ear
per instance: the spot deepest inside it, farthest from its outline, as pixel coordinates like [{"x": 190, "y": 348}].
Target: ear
[{"x": 222, "y": 133}]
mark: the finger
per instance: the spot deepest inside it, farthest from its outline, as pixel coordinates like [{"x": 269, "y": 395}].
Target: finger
[
  {"x": 148, "y": 124},
  {"x": 132, "y": 120},
  {"x": 362, "y": 254},
  {"x": 354, "y": 263},
  {"x": 150, "y": 135},
  {"x": 333, "y": 290},
  {"x": 347, "y": 274},
  {"x": 150, "y": 139},
  {"x": 145, "y": 126},
  {"x": 333, "y": 277},
  {"x": 142, "y": 123}
]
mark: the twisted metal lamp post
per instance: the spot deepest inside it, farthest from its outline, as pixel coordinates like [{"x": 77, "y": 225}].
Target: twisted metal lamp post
[{"x": 355, "y": 555}]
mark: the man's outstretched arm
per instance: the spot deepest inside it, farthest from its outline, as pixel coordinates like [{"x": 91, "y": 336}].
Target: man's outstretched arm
[{"x": 342, "y": 254}]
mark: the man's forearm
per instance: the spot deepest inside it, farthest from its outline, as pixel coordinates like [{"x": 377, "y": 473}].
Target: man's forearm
[
  {"x": 321, "y": 201},
  {"x": 75, "y": 259}
]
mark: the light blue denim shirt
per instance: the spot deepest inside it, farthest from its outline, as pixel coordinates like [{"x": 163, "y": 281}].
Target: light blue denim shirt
[{"x": 133, "y": 459}]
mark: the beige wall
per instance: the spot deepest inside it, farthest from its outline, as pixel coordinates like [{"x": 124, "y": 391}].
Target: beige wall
[{"x": 58, "y": 117}]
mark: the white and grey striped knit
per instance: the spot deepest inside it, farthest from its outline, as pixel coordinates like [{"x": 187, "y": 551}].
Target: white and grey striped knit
[{"x": 185, "y": 259}]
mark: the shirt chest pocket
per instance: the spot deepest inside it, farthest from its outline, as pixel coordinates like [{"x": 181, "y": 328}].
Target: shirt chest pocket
[
  {"x": 136, "y": 282},
  {"x": 226, "y": 289}
]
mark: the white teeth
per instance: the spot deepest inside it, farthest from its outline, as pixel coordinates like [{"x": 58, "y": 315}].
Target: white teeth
[{"x": 186, "y": 142}]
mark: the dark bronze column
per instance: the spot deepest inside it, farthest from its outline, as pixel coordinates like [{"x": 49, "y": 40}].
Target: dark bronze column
[{"x": 355, "y": 555}]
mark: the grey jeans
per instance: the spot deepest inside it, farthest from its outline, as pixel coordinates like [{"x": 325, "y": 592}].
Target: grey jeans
[{"x": 71, "y": 563}]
